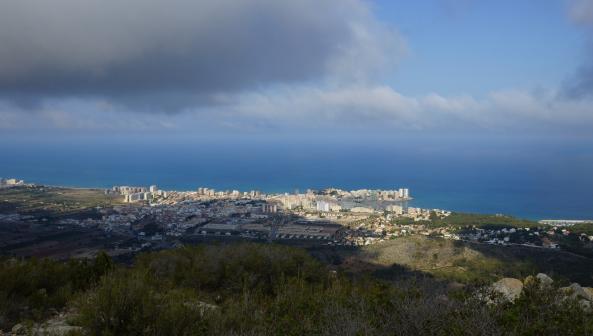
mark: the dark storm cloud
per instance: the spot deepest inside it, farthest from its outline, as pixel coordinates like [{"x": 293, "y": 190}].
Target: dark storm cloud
[{"x": 176, "y": 49}]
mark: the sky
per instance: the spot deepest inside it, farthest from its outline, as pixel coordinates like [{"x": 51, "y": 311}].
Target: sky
[{"x": 335, "y": 68}]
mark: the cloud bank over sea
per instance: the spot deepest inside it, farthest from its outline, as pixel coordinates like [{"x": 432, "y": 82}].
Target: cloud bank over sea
[{"x": 251, "y": 66}]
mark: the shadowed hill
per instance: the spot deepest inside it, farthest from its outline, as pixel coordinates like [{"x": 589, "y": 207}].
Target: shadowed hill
[{"x": 461, "y": 261}]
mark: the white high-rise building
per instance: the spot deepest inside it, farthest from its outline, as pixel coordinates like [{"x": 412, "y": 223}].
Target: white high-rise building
[
  {"x": 403, "y": 193},
  {"x": 153, "y": 188},
  {"x": 323, "y": 206}
]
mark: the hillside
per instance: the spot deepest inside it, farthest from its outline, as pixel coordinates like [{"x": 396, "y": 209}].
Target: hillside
[
  {"x": 263, "y": 289},
  {"x": 460, "y": 261}
]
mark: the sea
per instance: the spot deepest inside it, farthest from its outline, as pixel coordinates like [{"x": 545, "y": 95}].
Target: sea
[{"x": 528, "y": 177}]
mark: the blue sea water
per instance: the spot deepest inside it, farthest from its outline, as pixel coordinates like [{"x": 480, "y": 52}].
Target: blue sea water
[{"x": 531, "y": 178}]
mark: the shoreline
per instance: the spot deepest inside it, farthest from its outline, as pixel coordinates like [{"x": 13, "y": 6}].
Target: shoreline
[{"x": 539, "y": 219}]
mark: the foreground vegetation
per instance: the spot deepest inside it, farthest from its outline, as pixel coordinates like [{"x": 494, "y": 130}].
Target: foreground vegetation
[
  {"x": 33, "y": 289},
  {"x": 255, "y": 289}
]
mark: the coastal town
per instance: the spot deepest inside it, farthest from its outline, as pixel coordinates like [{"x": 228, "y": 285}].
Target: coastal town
[{"x": 143, "y": 218}]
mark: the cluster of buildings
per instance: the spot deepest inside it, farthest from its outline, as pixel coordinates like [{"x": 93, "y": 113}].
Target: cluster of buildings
[
  {"x": 564, "y": 222},
  {"x": 415, "y": 214},
  {"x": 401, "y": 194},
  {"x": 208, "y": 192},
  {"x": 151, "y": 217},
  {"x": 298, "y": 201},
  {"x": 327, "y": 206},
  {"x": 331, "y": 216},
  {"x": 139, "y": 194},
  {"x": 326, "y": 219},
  {"x": 545, "y": 236},
  {"x": 192, "y": 219},
  {"x": 337, "y": 200},
  {"x": 10, "y": 182},
  {"x": 155, "y": 215},
  {"x": 385, "y": 195}
]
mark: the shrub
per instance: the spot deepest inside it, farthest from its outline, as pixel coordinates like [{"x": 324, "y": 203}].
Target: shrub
[
  {"x": 30, "y": 289},
  {"x": 128, "y": 303},
  {"x": 543, "y": 311}
]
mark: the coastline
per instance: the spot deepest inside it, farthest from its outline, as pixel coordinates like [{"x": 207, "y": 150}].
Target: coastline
[{"x": 424, "y": 201}]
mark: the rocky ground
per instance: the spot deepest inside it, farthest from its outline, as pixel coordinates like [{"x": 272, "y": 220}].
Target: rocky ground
[
  {"x": 56, "y": 326},
  {"x": 509, "y": 289}
]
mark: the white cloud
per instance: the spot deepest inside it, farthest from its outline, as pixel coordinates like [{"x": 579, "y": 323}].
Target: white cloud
[
  {"x": 385, "y": 107},
  {"x": 368, "y": 108}
]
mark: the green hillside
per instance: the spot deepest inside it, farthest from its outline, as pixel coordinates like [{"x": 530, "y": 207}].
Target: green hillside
[{"x": 263, "y": 289}]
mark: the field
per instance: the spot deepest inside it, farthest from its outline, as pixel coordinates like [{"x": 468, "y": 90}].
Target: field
[
  {"x": 41, "y": 236},
  {"x": 53, "y": 201}
]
